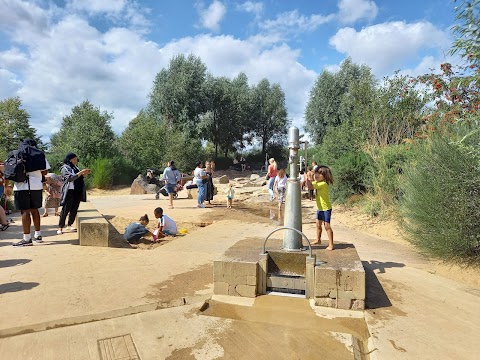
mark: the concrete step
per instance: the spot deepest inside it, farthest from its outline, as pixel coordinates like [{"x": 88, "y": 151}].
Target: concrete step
[{"x": 292, "y": 284}]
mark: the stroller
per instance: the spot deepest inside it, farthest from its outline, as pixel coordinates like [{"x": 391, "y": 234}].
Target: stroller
[
  {"x": 163, "y": 191},
  {"x": 161, "y": 185}
]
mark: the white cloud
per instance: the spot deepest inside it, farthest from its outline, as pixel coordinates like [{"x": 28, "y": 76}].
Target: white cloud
[
  {"x": 351, "y": 11},
  {"x": 389, "y": 46},
  {"x": 95, "y": 6},
  {"x": 210, "y": 17},
  {"x": 252, "y": 7},
  {"x": 293, "y": 22}
]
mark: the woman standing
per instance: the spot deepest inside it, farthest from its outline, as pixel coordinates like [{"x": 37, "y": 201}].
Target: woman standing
[
  {"x": 209, "y": 185},
  {"x": 73, "y": 191},
  {"x": 271, "y": 174}
]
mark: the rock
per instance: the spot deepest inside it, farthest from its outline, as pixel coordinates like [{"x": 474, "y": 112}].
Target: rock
[
  {"x": 254, "y": 177},
  {"x": 223, "y": 179},
  {"x": 141, "y": 186}
]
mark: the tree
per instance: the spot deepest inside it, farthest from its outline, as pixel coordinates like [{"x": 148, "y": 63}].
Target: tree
[
  {"x": 330, "y": 99},
  {"x": 142, "y": 143},
  {"x": 14, "y": 126},
  {"x": 269, "y": 115},
  {"x": 177, "y": 94},
  {"x": 86, "y": 132}
]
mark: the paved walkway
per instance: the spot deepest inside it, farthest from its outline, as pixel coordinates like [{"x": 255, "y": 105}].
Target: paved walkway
[{"x": 153, "y": 296}]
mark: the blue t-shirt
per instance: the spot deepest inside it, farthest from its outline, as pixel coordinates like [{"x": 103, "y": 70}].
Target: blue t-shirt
[
  {"x": 171, "y": 175},
  {"x": 134, "y": 232}
]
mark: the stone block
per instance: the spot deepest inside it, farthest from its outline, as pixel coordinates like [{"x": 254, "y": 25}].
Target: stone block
[
  {"x": 246, "y": 268},
  {"x": 344, "y": 304},
  {"x": 246, "y": 291},
  {"x": 325, "y": 302},
  {"x": 227, "y": 268},
  {"x": 192, "y": 193},
  {"x": 254, "y": 177},
  {"x": 223, "y": 179},
  {"x": 262, "y": 274},
  {"x": 358, "y": 304},
  {"x": 345, "y": 295},
  {"x": 220, "y": 288},
  {"x": 231, "y": 290},
  {"x": 93, "y": 232},
  {"x": 239, "y": 280},
  {"x": 217, "y": 268},
  {"x": 310, "y": 277},
  {"x": 252, "y": 280}
]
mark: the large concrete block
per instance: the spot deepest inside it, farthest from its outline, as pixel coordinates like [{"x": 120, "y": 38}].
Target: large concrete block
[
  {"x": 358, "y": 304},
  {"x": 262, "y": 274},
  {"x": 246, "y": 290},
  {"x": 192, "y": 193},
  {"x": 94, "y": 232},
  {"x": 310, "y": 277},
  {"x": 327, "y": 302},
  {"x": 220, "y": 288},
  {"x": 252, "y": 280},
  {"x": 345, "y": 304}
]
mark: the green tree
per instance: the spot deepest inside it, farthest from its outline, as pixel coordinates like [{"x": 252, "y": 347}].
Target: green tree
[
  {"x": 142, "y": 143},
  {"x": 177, "y": 95},
  {"x": 331, "y": 101},
  {"x": 269, "y": 115},
  {"x": 14, "y": 126},
  {"x": 86, "y": 132}
]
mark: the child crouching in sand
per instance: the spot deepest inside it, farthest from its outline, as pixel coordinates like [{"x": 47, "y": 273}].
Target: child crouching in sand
[
  {"x": 230, "y": 193},
  {"x": 135, "y": 231},
  {"x": 323, "y": 177},
  {"x": 166, "y": 225}
]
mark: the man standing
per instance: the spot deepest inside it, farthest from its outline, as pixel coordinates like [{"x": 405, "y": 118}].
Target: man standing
[
  {"x": 28, "y": 194},
  {"x": 171, "y": 176}
]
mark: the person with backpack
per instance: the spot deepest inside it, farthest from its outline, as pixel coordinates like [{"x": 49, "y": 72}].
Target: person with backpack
[
  {"x": 73, "y": 191},
  {"x": 26, "y": 167},
  {"x": 172, "y": 177}
]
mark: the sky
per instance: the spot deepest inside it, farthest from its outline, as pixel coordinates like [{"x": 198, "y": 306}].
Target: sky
[{"x": 55, "y": 54}]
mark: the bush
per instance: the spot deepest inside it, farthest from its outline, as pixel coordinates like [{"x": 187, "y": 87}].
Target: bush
[
  {"x": 441, "y": 201},
  {"x": 102, "y": 174},
  {"x": 123, "y": 171},
  {"x": 352, "y": 175}
]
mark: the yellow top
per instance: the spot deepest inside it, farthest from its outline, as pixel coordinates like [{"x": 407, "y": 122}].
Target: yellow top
[{"x": 323, "y": 196}]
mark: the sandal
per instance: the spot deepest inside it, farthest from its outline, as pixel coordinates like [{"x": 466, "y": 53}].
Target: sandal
[{"x": 4, "y": 227}]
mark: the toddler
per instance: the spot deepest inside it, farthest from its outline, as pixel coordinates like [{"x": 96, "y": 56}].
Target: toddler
[{"x": 230, "y": 193}]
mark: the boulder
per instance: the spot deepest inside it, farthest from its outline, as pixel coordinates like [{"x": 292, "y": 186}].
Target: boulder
[
  {"x": 141, "y": 186},
  {"x": 254, "y": 177},
  {"x": 223, "y": 179}
]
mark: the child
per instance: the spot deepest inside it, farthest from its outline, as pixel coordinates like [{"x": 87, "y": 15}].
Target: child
[
  {"x": 135, "y": 231},
  {"x": 309, "y": 177},
  {"x": 280, "y": 185},
  {"x": 166, "y": 225},
  {"x": 230, "y": 193},
  {"x": 323, "y": 178}
]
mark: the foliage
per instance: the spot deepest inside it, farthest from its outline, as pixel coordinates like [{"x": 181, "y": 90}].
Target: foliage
[
  {"x": 332, "y": 99},
  {"x": 467, "y": 43},
  {"x": 86, "y": 132},
  {"x": 352, "y": 175},
  {"x": 441, "y": 202},
  {"x": 177, "y": 95},
  {"x": 270, "y": 123},
  {"x": 142, "y": 143},
  {"x": 182, "y": 149},
  {"x": 14, "y": 126},
  {"x": 102, "y": 173}
]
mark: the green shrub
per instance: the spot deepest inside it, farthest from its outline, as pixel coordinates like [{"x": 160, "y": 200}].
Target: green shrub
[
  {"x": 123, "y": 171},
  {"x": 441, "y": 201},
  {"x": 352, "y": 175},
  {"x": 102, "y": 174}
]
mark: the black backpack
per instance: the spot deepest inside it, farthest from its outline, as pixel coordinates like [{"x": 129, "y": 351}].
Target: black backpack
[
  {"x": 15, "y": 168},
  {"x": 34, "y": 158}
]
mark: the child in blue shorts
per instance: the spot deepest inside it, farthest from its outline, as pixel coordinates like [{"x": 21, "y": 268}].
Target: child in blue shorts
[{"x": 322, "y": 179}]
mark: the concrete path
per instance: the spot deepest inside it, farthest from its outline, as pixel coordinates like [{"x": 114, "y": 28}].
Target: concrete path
[{"x": 153, "y": 297}]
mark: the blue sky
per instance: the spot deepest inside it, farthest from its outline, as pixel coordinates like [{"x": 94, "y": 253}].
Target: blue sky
[{"x": 55, "y": 54}]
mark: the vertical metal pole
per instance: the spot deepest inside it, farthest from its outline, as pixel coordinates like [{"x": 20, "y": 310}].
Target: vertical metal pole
[{"x": 292, "y": 241}]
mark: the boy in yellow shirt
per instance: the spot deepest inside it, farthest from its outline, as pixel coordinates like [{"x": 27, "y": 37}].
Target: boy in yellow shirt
[{"x": 322, "y": 178}]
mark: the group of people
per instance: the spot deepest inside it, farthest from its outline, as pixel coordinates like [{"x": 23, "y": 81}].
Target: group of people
[
  {"x": 317, "y": 180},
  {"x": 165, "y": 226},
  {"x": 66, "y": 190},
  {"x": 203, "y": 179}
]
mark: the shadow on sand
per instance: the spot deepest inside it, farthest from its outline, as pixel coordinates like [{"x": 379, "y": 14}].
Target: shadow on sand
[
  {"x": 17, "y": 286},
  {"x": 376, "y": 297}
]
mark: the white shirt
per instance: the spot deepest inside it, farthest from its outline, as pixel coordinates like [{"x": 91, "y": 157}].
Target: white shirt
[
  {"x": 168, "y": 224},
  {"x": 198, "y": 173},
  {"x": 281, "y": 182},
  {"x": 35, "y": 179}
]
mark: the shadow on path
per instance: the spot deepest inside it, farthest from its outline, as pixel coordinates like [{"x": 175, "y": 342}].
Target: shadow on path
[
  {"x": 17, "y": 286},
  {"x": 13, "y": 262},
  {"x": 376, "y": 297}
]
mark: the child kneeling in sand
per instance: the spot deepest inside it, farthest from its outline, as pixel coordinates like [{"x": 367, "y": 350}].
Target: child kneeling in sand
[
  {"x": 166, "y": 225},
  {"x": 135, "y": 231},
  {"x": 230, "y": 193}
]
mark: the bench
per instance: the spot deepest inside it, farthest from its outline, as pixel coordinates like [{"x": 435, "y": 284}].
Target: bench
[
  {"x": 93, "y": 228},
  {"x": 192, "y": 193}
]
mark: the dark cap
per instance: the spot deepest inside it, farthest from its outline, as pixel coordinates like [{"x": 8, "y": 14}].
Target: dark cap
[{"x": 69, "y": 157}]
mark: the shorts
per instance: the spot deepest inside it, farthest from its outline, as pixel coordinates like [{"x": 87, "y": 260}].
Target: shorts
[
  {"x": 324, "y": 215},
  {"x": 27, "y": 199},
  {"x": 229, "y": 197},
  {"x": 170, "y": 188}
]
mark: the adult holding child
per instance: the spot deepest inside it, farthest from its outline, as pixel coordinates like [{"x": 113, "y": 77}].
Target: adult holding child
[
  {"x": 200, "y": 179},
  {"x": 73, "y": 191}
]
